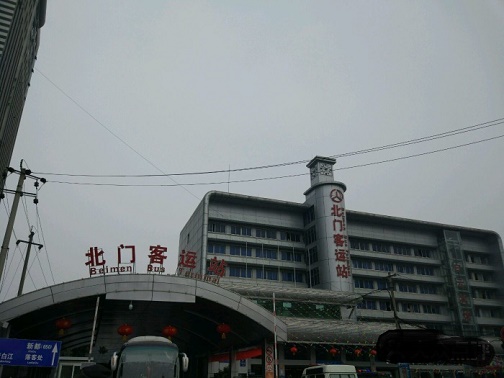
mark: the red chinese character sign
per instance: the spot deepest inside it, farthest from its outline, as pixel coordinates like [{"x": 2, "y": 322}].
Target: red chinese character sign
[
  {"x": 334, "y": 267},
  {"x": 340, "y": 237},
  {"x": 99, "y": 262}
]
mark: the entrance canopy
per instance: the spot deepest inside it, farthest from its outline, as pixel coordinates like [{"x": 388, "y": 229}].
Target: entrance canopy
[{"x": 147, "y": 303}]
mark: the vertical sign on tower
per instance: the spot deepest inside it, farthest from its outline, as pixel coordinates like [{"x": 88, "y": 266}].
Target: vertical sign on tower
[{"x": 340, "y": 237}]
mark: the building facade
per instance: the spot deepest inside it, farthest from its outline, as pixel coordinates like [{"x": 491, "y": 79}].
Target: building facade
[
  {"x": 390, "y": 270},
  {"x": 20, "y": 23}
]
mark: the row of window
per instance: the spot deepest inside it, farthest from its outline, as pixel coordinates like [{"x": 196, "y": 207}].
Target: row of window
[
  {"x": 263, "y": 233},
  {"x": 385, "y": 266},
  {"x": 402, "y": 286},
  {"x": 266, "y": 274},
  {"x": 302, "y": 309},
  {"x": 425, "y": 308},
  {"x": 398, "y": 249},
  {"x": 258, "y": 252}
]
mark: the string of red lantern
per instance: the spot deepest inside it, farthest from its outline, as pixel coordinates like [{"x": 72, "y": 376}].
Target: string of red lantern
[
  {"x": 125, "y": 330},
  {"x": 223, "y": 329},
  {"x": 293, "y": 350},
  {"x": 62, "y": 325},
  {"x": 169, "y": 331}
]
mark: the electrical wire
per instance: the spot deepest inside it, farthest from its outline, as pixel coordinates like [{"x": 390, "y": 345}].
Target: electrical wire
[
  {"x": 115, "y": 135},
  {"x": 429, "y": 138},
  {"x": 285, "y": 176},
  {"x": 39, "y": 224}
]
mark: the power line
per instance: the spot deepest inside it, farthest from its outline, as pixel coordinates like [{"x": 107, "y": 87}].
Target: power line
[
  {"x": 285, "y": 176},
  {"x": 113, "y": 134},
  {"x": 429, "y": 138}
]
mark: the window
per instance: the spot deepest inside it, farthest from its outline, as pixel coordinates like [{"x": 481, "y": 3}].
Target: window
[
  {"x": 407, "y": 287},
  {"x": 422, "y": 252},
  {"x": 271, "y": 234},
  {"x": 264, "y": 233},
  {"x": 314, "y": 277},
  {"x": 359, "y": 244},
  {"x": 290, "y": 256},
  {"x": 362, "y": 264},
  {"x": 216, "y": 248},
  {"x": 384, "y": 266},
  {"x": 266, "y": 253},
  {"x": 290, "y": 236},
  {"x": 260, "y": 233},
  {"x": 425, "y": 270},
  {"x": 382, "y": 285},
  {"x": 385, "y": 306},
  {"x": 241, "y": 230},
  {"x": 405, "y": 268},
  {"x": 367, "y": 305},
  {"x": 402, "y": 250},
  {"x": 309, "y": 216},
  {"x": 288, "y": 276},
  {"x": 216, "y": 227},
  {"x": 271, "y": 275},
  {"x": 299, "y": 276},
  {"x": 235, "y": 271},
  {"x": 361, "y": 283},
  {"x": 286, "y": 255},
  {"x": 380, "y": 247},
  {"x": 311, "y": 256},
  {"x": 235, "y": 250},
  {"x": 410, "y": 307},
  {"x": 311, "y": 235},
  {"x": 427, "y": 289},
  {"x": 431, "y": 309},
  {"x": 298, "y": 257}
]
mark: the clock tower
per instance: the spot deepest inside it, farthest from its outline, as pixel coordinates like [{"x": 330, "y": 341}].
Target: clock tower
[
  {"x": 321, "y": 170},
  {"x": 330, "y": 268}
]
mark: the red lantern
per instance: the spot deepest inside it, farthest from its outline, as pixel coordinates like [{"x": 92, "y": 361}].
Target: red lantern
[
  {"x": 293, "y": 350},
  {"x": 169, "y": 331},
  {"x": 63, "y": 324},
  {"x": 223, "y": 329},
  {"x": 125, "y": 330},
  {"x": 358, "y": 352},
  {"x": 373, "y": 352},
  {"x": 333, "y": 351}
]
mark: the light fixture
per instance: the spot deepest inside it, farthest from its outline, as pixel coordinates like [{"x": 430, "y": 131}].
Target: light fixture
[{"x": 130, "y": 306}]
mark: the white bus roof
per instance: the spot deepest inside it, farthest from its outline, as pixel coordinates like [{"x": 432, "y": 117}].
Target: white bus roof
[{"x": 331, "y": 369}]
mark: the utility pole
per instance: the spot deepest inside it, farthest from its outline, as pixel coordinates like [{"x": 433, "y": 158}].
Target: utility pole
[
  {"x": 23, "y": 173},
  {"x": 10, "y": 224},
  {"x": 25, "y": 266},
  {"x": 392, "y": 299}
]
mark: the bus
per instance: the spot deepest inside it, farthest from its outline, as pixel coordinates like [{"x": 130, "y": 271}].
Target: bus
[
  {"x": 142, "y": 356},
  {"x": 330, "y": 371}
]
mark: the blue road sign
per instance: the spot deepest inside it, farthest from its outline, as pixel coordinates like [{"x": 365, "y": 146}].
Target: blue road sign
[{"x": 36, "y": 353}]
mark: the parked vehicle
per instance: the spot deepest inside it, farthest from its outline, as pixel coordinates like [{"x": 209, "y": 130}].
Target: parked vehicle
[
  {"x": 330, "y": 371},
  {"x": 143, "y": 356},
  {"x": 432, "y": 346}
]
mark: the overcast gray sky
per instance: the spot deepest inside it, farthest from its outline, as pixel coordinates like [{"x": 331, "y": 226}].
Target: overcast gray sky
[{"x": 132, "y": 88}]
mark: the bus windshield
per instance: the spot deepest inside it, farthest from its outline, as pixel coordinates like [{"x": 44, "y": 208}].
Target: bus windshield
[{"x": 148, "y": 361}]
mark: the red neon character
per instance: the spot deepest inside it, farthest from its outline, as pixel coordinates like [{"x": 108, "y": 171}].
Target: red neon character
[
  {"x": 342, "y": 271},
  {"x": 337, "y": 211},
  {"x": 217, "y": 267},
  {"x": 119, "y": 253},
  {"x": 340, "y": 240},
  {"x": 95, "y": 257},
  {"x": 463, "y": 299},
  {"x": 341, "y": 225},
  {"x": 187, "y": 259},
  {"x": 341, "y": 254},
  {"x": 467, "y": 316},
  {"x": 157, "y": 254}
]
